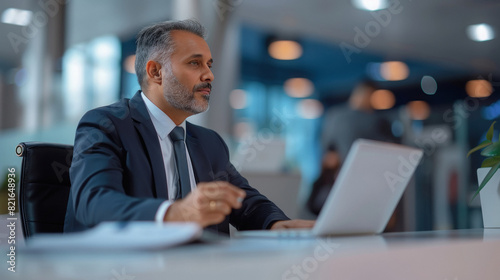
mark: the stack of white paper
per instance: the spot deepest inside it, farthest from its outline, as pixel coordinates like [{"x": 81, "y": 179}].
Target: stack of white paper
[{"x": 119, "y": 235}]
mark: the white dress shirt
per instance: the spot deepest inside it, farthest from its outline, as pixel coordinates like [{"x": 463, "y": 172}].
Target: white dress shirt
[{"x": 163, "y": 126}]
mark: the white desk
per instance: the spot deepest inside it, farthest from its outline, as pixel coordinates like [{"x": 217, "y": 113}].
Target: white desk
[{"x": 442, "y": 255}]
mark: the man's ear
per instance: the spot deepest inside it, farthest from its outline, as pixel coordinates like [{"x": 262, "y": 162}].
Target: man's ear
[{"x": 153, "y": 72}]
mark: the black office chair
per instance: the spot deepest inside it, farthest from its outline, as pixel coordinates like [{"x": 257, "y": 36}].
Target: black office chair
[{"x": 44, "y": 186}]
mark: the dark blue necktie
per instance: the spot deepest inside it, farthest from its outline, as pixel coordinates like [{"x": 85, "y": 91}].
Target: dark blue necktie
[{"x": 183, "y": 185}]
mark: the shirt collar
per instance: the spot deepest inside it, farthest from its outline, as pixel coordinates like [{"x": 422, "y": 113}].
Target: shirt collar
[{"x": 162, "y": 123}]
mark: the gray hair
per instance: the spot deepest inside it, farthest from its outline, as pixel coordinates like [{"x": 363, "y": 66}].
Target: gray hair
[{"x": 155, "y": 43}]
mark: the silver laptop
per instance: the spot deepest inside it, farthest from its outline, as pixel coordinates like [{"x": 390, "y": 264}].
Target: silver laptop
[{"x": 366, "y": 192}]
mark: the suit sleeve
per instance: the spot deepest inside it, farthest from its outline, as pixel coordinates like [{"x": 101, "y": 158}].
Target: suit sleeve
[
  {"x": 96, "y": 173},
  {"x": 257, "y": 211}
]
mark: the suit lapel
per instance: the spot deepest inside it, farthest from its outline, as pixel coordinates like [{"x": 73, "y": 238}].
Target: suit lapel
[
  {"x": 144, "y": 126},
  {"x": 201, "y": 166}
]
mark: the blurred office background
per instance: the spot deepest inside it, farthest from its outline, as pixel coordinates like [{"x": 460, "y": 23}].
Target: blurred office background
[{"x": 279, "y": 67}]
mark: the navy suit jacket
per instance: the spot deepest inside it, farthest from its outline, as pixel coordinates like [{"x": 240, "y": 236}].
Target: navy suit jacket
[{"x": 117, "y": 173}]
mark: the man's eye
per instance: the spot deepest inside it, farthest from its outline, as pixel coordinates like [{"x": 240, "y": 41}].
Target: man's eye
[{"x": 194, "y": 63}]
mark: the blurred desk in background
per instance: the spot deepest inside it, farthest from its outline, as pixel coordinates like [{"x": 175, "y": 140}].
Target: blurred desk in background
[{"x": 451, "y": 255}]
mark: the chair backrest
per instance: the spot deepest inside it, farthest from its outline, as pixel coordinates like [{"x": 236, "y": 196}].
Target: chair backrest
[{"x": 44, "y": 186}]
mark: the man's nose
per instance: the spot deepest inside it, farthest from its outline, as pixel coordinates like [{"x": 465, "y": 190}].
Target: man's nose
[{"x": 207, "y": 75}]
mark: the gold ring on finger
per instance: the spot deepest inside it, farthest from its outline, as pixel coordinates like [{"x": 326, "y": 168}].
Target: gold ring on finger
[{"x": 212, "y": 205}]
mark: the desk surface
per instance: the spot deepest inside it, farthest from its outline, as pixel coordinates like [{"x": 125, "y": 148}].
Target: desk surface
[{"x": 441, "y": 255}]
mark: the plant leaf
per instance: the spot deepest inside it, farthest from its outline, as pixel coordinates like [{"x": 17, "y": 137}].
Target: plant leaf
[
  {"x": 492, "y": 150},
  {"x": 483, "y": 144},
  {"x": 490, "y": 162},
  {"x": 489, "y": 134},
  {"x": 486, "y": 179}
]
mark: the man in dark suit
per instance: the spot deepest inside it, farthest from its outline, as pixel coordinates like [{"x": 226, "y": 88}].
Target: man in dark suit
[{"x": 125, "y": 164}]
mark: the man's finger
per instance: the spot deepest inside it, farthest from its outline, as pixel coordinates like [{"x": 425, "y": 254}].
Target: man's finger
[
  {"x": 303, "y": 223},
  {"x": 219, "y": 206},
  {"x": 223, "y": 191},
  {"x": 226, "y": 187}
]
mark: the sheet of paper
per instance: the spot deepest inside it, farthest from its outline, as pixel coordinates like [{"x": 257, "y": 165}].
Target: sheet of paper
[{"x": 140, "y": 235}]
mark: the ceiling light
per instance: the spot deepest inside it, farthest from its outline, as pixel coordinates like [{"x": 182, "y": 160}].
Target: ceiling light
[
  {"x": 418, "y": 110},
  {"x": 478, "y": 88},
  {"x": 17, "y": 16},
  {"x": 480, "y": 32},
  {"x": 382, "y": 99},
  {"x": 394, "y": 70},
  {"x": 370, "y": 5},
  {"x": 285, "y": 50},
  {"x": 428, "y": 85},
  {"x": 299, "y": 87}
]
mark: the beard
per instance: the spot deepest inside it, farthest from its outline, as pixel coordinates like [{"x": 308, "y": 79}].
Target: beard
[{"x": 180, "y": 97}]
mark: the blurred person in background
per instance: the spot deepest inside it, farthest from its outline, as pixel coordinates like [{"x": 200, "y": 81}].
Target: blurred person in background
[
  {"x": 330, "y": 166},
  {"x": 342, "y": 125},
  {"x": 357, "y": 119}
]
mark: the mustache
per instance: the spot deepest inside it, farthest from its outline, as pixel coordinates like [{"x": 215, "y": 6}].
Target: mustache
[{"x": 202, "y": 85}]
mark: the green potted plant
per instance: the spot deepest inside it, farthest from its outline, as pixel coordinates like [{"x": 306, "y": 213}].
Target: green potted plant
[{"x": 489, "y": 180}]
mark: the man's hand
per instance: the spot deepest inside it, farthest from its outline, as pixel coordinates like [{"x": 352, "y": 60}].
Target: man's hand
[
  {"x": 208, "y": 204},
  {"x": 293, "y": 224}
]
